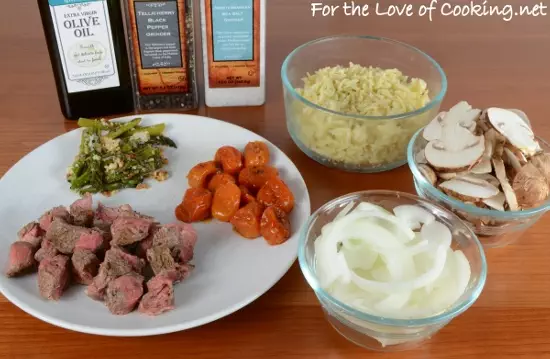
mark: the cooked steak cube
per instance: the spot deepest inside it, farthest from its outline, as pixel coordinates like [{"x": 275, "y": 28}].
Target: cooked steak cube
[
  {"x": 31, "y": 233},
  {"x": 104, "y": 227},
  {"x": 85, "y": 265},
  {"x": 111, "y": 250},
  {"x": 124, "y": 293},
  {"x": 96, "y": 289},
  {"x": 47, "y": 250},
  {"x": 108, "y": 214},
  {"x": 93, "y": 241},
  {"x": 120, "y": 263},
  {"x": 53, "y": 276},
  {"x": 147, "y": 243},
  {"x": 159, "y": 297},
  {"x": 182, "y": 254},
  {"x": 143, "y": 246},
  {"x": 105, "y": 216},
  {"x": 117, "y": 263},
  {"x": 160, "y": 258},
  {"x": 176, "y": 234},
  {"x": 32, "y": 227},
  {"x": 180, "y": 238},
  {"x": 48, "y": 217},
  {"x": 81, "y": 212},
  {"x": 21, "y": 258},
  {"x": 128, "y": 230},
  {"x": 179, "y": 272},
  {"x": 65, "y": 236},
  {"x": 162, "y": 262}
]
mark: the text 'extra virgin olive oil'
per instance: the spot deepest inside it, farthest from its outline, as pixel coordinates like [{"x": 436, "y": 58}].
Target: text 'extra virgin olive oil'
[{"x": 87, "y": 48}]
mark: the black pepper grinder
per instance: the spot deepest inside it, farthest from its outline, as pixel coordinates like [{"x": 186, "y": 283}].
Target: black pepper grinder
[{"x": 161, "y": 38}]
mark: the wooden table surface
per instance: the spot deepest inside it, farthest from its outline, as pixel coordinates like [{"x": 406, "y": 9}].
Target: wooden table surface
[{"x": 488, "y": 61}]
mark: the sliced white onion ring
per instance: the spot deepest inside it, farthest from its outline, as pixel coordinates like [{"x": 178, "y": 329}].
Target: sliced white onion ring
[
  {"x": 413, "y": 215},
  {"x": 375, "y": 261},
  {"x": 402, "y": 286}
]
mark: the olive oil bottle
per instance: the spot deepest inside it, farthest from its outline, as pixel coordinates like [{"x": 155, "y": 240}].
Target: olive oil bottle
[{"x": 87, "y": 48}]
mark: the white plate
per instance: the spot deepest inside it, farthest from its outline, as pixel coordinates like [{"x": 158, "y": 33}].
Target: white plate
[{"x": 230, "y": 271}]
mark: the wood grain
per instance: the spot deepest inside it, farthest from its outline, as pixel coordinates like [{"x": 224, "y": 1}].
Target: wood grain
[{"x": 488, "y": 62}]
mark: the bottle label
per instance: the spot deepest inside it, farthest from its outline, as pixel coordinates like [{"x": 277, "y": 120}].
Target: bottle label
[
  {"x": 159, "y": 43},
  {"x": 233, "y": 42},
  {"x": 85, "y": 42}
]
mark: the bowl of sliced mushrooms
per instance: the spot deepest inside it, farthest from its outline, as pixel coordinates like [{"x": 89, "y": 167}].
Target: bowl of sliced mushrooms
[{"x": 487, "y": 166}]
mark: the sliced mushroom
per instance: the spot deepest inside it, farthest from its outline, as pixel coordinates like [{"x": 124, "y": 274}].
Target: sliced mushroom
[
  {"x": 521, "y": 114},
  {"x": 519, "y": 155},
  {"x": 473, "y": 128},
  {"x": 433, "y": 130},
  {"x": 530, "y": 186},
  {"x": 472, "y": 220},
  {"x": 463, "y": 115},
  {"x": 499, "y": 151},
  {"x": 420, "y": 158},
  {"x": 542, "y": 163},
  {"x": 515, "y": 129},
  {"x": 497, "y": 142},
  {"x": 496, "y": 202},
  {"x": 490, "y": 142},
  {"x": 447, "y": 176},
  {"x": 500, "y": 172},
  {"x": 484, "y": 166},
  {"x": 483, "y": 124},
  {"x": 466, "y": 190},
  {"x": 466, "y": 145},
  {"x": 512, "y": 160},
  {"x": 456, "y": 151},
  {"x": 478, "y": 131},
  {"x": 484, "y": 176},
  {"x": 428, "y": 173}
]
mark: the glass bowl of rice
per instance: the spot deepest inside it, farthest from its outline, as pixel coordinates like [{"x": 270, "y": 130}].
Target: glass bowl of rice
[{"x": 354, "y": 102}]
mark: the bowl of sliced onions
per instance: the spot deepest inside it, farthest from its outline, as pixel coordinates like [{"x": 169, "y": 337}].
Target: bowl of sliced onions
[{"x": 390, "y": 269}]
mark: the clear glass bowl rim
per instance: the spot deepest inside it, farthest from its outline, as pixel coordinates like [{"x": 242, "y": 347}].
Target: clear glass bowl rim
[
  {"x": 456, "y": 204},
  {"x": 433, "y": 102},
  {"x": 444, "y": 317}
]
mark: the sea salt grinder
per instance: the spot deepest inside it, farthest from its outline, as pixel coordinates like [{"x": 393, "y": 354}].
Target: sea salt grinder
[{"x": 233, "y": 37}]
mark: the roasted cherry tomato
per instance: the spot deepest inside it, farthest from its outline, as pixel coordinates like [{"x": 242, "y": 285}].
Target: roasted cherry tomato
[
  {"x": 181, "y": 214},
  {"x": 246, "y": 220},
  {"x": 275, "y": 226},
  {"x": 230, "y": 158},
  {"x": 256, "y": 154},
  {"x": 195, "y": 206},
  {"x": 199, "y": 175},
  {"x": 227, "y": 199},
  {"x": 219, "y": 179},
  {"x": 255, "y": 177},
  {"x": 246, "y": 196},
  {"x": 276, "y": 193}
]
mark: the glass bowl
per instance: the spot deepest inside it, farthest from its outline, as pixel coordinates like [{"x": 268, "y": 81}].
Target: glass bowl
[
  {"x": 493, "y": 228},
  {"x": 352, "y": 142},
  {"x": 379, "y": 333}
]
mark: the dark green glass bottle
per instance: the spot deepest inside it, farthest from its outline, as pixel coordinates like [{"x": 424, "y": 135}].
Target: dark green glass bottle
[{"x": 87, "y": 48}]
